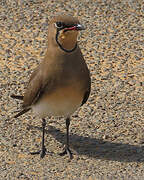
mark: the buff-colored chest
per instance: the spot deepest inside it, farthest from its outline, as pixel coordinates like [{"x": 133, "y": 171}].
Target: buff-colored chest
[{"x": 61, "y": 102}]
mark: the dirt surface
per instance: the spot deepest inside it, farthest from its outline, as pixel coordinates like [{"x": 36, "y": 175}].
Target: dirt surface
[{"x": 107, "y": 133}]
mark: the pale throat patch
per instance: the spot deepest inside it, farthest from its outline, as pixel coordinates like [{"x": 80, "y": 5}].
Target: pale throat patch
[{"x": 68, "y": 39}]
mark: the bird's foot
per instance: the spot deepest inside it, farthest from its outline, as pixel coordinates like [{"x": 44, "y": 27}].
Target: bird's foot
[
  {"x": 67, "y": 151},
  {"x": 41, "y": 152}
]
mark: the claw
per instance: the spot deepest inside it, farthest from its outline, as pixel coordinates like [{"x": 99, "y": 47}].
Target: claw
[
  {"x": 67, "y": 151},
  {"x": 42, "y": 153}
]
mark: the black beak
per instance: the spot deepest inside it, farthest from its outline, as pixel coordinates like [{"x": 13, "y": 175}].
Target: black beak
[{"x": 80, "y": 27}]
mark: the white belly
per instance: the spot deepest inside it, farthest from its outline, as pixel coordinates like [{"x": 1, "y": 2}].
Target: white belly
[
  {"x": 62, "y": 102},
  {"x": 55, "y": 109}
]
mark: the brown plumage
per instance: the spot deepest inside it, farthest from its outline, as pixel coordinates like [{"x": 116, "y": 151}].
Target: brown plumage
[{"x": 61, "y": 83}]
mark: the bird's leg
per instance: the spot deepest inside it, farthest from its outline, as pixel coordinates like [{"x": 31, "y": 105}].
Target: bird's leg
[
  {"x": 67, "y": 150},
  {"x": 43, "y": 149}
]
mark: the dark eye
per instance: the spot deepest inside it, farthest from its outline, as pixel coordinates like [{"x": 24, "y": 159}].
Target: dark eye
[{"x": 59, "y": 24}]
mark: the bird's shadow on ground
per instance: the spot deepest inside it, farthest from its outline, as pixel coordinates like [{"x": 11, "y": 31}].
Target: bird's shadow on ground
[{"x": 98, "y": 148}]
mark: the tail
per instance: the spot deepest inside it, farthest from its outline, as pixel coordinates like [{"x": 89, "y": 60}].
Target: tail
[
  {"x": 17, "y": 97},
  {"x": 22, "y": 112}
]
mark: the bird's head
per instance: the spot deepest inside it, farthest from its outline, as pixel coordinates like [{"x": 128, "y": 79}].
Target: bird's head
[{"x": 63, "y": 31}]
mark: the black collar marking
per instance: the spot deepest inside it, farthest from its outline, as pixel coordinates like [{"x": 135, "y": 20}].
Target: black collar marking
[{"x": 66, "y": 50}]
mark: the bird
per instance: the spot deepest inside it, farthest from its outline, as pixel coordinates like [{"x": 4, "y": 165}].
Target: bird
[{"x": 61, "y": 83}]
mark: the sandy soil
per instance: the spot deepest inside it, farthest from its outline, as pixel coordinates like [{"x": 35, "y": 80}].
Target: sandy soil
[{"x": 107, "y": 133}]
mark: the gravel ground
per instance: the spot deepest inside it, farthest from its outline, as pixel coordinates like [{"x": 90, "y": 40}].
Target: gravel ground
[{"x": 107, "y": 133}]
